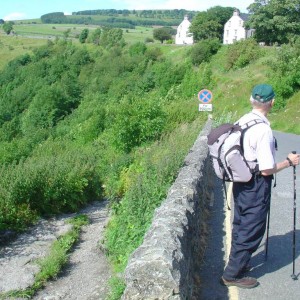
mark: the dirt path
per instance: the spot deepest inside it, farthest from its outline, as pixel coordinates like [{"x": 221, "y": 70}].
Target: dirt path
[{"x": 87, "y": 273}]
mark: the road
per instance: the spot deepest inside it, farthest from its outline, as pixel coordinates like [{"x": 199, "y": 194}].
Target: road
[{"x": 273, "y": 274}]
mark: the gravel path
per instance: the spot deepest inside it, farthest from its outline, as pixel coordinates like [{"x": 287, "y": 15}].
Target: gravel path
[{"x": 86, "y": 275}]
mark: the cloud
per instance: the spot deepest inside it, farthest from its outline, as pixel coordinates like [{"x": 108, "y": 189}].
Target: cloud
[{"x": 15, "y": 16}]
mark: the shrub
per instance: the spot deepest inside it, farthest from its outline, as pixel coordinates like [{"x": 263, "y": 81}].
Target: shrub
[
  {"x": 203, "y": 50},
  {"x": 285, "y": 75},
  {"x": 138, "y": 121},
  {"x": 137, "y": 49},
  {"x": 46, "y": 185},
  {"x": 149, "y": 40},
  {"x": 241, "y": 53}
]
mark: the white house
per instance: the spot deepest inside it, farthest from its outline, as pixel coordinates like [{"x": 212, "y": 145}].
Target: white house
[
  {"x": 234, "y": 29},
  {"x": 183, "y": 36}
]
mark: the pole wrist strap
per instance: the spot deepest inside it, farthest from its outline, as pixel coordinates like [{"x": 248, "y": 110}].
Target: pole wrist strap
[{"x": 290, "y": 162}]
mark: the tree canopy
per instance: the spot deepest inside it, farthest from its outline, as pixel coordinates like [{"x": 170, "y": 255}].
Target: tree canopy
[
  {"x": 7, "y": 27},
  {"x": 162, "y": 34},
  {"x": 210, "y": 24},
  {"x": 275, "y": 21}
]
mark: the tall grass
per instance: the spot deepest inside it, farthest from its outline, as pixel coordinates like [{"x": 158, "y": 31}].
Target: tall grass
[{"x": 146, "y": 183}]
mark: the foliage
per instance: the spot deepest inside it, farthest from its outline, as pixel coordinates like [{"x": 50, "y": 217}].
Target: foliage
[
  {"x": 149, "y": 40},
  {"x": 7, "y": 27},
  {"x": 285, "y": 75},
  {"x": 117, "y": 286},
  {"x": 204, "y": 50},
  {"x": 82, "y": 122},
  {"x": 162, "y": 34},
  {"x": 112, "y": 37},
  {"x": 138, "y": 121},
  {"x": 210, "y": 24},
  {"x": 120, "y": 18},
  {"x": 54, "y": 18},
  {"x": 137, "y": 49},
  {"x": 275, "y": 21},
  {"x": 47, "y": 185},
  {"x": 83, "y": 35},
  {"x": 95, "y": 36},
  {"x": 241, "y": 53},
  {"x": 146, "y": 183}
]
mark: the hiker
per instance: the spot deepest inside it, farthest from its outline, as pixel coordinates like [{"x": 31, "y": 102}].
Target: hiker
[{"x": 252, "y": 198}]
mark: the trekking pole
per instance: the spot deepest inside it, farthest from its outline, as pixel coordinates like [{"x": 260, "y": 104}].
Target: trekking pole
[
  {"x": 268, "y": 227},
  {"x": 294, "y": 231}
]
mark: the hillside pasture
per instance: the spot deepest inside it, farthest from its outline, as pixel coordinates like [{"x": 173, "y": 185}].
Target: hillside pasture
[{"x": 13, "y": 46}]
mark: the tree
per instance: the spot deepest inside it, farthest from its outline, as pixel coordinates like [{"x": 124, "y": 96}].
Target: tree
[
  {"x": 162, "y": 34},
  {"x": 67, "y": 33},
  {"x": 204, "y": 50},
  {"x": 7, "y": 27},
  {"x": 275, "y": 21},
  {"x": 210, "y": 24},
  {"x": 95, "y": 36},
  {"x": 83, "y": 35},
  {"x": 112, "y": 37},
  {"x": 1, "y": 21}
]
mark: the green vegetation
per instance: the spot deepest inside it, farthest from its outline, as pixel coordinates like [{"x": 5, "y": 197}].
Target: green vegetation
[
  {"x": 163, "y": 34},
  {"x": 51, "y": 265},
  {"x": 275, "y": 21},
  {"x": 120, "y": 18},
  {"x": 106, "y": 119},
  {"x": 13, "y": 46},
  {"x": 7, "y": 27},
  {"x": 210, "y": 24}
]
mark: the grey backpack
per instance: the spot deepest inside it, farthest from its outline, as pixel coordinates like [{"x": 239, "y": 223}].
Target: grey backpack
[{"x": 225, "y": 144}]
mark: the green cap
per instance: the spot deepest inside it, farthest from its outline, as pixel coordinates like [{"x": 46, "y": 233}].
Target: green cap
[{"x": 263, "y": 93}]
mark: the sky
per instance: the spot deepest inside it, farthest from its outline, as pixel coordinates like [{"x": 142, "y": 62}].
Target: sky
[{"x": 31, "y": 9}]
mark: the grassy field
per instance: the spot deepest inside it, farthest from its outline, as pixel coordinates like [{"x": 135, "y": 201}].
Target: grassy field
[
  {"x": 13, "y": 46},
  {"x": 26, "y": 37}
]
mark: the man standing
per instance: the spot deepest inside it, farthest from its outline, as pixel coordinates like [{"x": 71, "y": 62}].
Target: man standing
[{"x": 252, "y": 199}]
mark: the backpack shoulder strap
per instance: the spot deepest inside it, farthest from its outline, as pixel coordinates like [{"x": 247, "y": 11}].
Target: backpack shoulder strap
[{"x": 245, "y": 127}]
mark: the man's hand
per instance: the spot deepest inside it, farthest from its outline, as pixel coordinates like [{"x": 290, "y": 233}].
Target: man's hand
[{"x": 293, "y": 159}]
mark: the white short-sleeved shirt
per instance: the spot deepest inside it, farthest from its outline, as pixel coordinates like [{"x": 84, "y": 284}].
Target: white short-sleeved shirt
[{"x": 259, "y": 142}]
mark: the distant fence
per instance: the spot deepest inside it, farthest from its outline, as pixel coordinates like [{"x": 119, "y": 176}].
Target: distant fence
[{"x": 166, "y": 264}]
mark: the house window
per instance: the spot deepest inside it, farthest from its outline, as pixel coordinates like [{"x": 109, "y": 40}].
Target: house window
[
  {"x": 229, "y": 23},
  {"x": 227, "y": 32},
  {"x": 235, "y": 31}
]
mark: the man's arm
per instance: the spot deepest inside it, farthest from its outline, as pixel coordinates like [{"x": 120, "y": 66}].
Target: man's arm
[{"x": 291, "y": 160}]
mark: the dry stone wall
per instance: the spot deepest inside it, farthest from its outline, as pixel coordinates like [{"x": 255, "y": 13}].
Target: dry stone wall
[{"x": 166, "y": 264}]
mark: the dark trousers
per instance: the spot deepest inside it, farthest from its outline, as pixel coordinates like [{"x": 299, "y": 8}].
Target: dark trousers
[{"x": 251, "y": 207}]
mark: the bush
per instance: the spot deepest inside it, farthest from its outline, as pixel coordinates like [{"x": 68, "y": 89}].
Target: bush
[
  {"x": 242, "y": 53},
  {"x": 149, "y": 40},
  {"x": 204, "y": 50},
  {"x": 137, "y": 49},
  {"x": 137, "y": 122},
  {"x": 285, "y": 75},
  {"x": 46, "y": 185}
]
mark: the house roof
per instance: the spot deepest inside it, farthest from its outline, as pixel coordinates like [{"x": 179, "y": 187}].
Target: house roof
[{"x": 245, "y": 17}]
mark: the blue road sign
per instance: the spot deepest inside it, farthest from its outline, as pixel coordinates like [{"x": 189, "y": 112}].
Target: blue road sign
[{"x": 205, "y": 96}]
